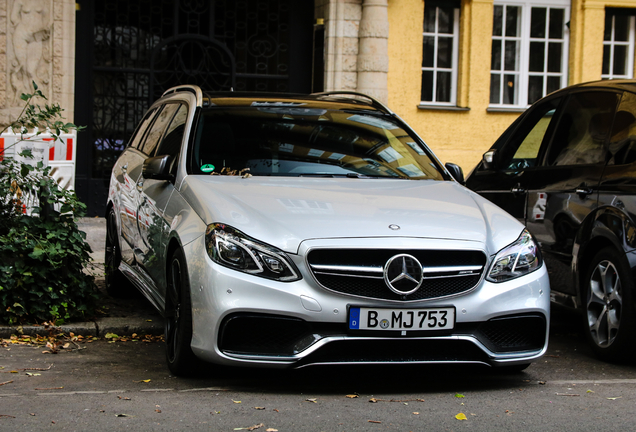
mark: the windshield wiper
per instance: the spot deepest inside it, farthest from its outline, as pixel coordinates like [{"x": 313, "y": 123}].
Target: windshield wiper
[{"x": 333, "y": 175}]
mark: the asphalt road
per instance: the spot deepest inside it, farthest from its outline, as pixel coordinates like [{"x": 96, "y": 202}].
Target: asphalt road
[{"x": 126, "y": 386}]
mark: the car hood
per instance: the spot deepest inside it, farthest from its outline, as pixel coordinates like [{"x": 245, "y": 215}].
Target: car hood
[{"x": 285, "y": 211}]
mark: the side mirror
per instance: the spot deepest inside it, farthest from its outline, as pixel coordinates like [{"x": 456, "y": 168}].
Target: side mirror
[
  {"x": 456, "y": 171},
  {"x": 157, "y": 168},
  {"x": 489, "y": 159}
]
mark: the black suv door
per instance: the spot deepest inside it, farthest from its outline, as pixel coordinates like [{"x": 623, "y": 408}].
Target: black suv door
[{"x": 548, "y": 170}]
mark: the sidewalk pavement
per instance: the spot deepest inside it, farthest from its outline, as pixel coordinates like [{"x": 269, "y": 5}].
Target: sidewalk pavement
[{"x": 124, "y": 316}]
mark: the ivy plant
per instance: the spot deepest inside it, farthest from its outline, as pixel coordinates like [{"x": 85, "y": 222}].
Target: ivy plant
[{"x": 42, "y": 251}]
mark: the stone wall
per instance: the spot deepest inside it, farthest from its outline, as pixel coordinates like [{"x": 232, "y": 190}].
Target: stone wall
[
  {"x": 356, "y": 47},
  {"x": 37, "y": 43}
]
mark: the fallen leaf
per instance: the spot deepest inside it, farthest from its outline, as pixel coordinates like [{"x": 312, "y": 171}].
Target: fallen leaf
[
  {"x": 375, "y": 421},
  {"x": 157, "y": 410},
  {"x": 590, "y": 391},
  {"x": 259, "y": 408},
  {"x": 111, "y": 336},
  {"x": 373, "y": 400},
  {"x": 416, "y": 413},
  {"x": 271, "y": 430},
  {"x": 143, "y": 381},
  {"x": 32, "y": 374},
  {"x": 352, "y": 396},
  {"x": 314, "y": 400},
  {"x": 6, "y": 382},
  {"x": 567, "y": 394},
  {"x": 275, "y": 410},
  {"x": 461, "y": 416},
  {"x": 251, "y": 428},
  {"x": 123, "y": 415},
  {"x": 33, "y": 414},
  {"x": 457, "y": 395},
  {"x": 614, "y": 398},
  {"x": 236, "y": 401}
]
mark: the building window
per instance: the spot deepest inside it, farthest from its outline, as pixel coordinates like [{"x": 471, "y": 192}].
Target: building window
[
  {"x": 529, "y": 51},
  {"x": 439, "y": 59},
  {"x": 618, "y": 44}
]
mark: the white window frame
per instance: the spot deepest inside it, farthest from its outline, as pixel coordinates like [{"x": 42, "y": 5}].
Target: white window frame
[
  {"x": 630, "y": 50},
  {"x": 523, "y": 73},
  {"x": 454, "y": 60}
]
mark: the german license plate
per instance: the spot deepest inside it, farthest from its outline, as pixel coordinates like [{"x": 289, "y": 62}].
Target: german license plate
[{"x": 401, "y": 319}]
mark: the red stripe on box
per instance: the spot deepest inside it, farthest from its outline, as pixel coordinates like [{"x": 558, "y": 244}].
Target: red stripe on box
[
  {"x": 1, "y": 149},
  {"x": 69, "y": 149}
]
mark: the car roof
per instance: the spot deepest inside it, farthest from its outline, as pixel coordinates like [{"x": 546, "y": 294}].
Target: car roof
[
  {"x": 617, "y": 84},
  {"x": 326, "y": 100}
]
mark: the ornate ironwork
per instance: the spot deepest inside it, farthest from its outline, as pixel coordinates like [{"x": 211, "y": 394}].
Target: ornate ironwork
[{"x": 143, "y": 47}]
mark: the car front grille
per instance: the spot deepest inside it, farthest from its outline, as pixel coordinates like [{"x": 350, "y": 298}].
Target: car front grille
[
  {"x": 360, "y": 273},
  {"x": 279, "y": 336},
  {"x": 516, "y": 333}
]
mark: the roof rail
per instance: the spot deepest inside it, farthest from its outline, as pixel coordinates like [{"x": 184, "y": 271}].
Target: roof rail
[
  {"x": 189, "y": 88},
  {"x": 374, "y": 102}
]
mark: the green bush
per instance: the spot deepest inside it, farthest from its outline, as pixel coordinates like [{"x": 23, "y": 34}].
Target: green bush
[{"x": 42, "y": 252}]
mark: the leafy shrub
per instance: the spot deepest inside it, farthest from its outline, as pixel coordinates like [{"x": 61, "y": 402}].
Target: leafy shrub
[{"x": 42, "y": 251}]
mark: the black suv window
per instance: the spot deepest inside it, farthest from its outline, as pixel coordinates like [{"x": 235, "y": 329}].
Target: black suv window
[
  {"x": 523, "y": 148},
  {"x": 622, "y": 145},
  {"x": 581, "y": 135}
]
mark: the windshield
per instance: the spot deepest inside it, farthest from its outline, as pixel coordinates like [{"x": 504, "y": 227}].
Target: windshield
[{"x": 292, "y": 141}]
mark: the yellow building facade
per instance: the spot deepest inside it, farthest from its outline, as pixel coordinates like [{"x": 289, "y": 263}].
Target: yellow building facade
[{"x": 583, "y": 40}]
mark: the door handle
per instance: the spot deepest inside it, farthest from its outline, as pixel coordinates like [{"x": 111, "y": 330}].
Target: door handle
[
  {"x": 583, "y": 191},
  {"x": 517, "y": 189}
]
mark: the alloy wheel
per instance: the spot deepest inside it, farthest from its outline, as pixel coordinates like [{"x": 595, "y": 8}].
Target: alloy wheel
[{"x": 604, "y": 303}]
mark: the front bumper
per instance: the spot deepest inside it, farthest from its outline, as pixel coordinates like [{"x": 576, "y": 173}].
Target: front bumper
[{"x": 239, "y": 319}]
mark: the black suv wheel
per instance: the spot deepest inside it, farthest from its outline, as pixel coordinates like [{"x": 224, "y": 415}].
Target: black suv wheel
[{"x": 609, "y": 314}]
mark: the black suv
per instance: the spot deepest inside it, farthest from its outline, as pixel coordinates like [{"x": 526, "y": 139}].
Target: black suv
[{"x": 567, "y": 169}]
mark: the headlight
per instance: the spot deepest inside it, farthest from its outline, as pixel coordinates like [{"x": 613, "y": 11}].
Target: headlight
[
  {"x": 515, "y": 260},
  {"x": 231, "y": 248}
]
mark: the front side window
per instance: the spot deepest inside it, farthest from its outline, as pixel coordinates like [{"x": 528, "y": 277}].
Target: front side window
[
  {"x": 529, "y": 51},
  {"x": 523, "y": 148},
  {"x": 618, "y": 44},
  {"x": 440, "y": 52}
]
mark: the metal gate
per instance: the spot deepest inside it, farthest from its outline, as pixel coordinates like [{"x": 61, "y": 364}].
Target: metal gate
[{"x": 130, "y": 51}]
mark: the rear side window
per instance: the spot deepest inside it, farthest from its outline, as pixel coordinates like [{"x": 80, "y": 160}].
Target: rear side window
[{"x": 583, "y": 130}]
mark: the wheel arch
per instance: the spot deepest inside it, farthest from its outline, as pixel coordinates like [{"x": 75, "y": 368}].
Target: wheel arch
[{"x": 606, "y": 226}]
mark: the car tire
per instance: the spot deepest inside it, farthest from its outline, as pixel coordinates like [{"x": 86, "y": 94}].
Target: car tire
[
  {"x": 178, "y": 318},
  {"x": 609, "y": 320},
  {"x": 116, "y": 283}
]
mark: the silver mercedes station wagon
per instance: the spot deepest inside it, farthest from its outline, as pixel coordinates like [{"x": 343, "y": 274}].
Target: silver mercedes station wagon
[{"x": 295, "y": 230}]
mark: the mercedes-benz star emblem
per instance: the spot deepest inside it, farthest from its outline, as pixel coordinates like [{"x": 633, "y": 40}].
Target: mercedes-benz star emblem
[{"x": 403, "y": 274}]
